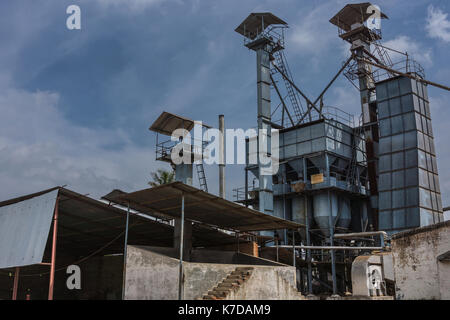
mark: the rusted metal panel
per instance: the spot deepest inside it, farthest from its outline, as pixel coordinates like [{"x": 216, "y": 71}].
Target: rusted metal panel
[{"x": 24, "y": 230}]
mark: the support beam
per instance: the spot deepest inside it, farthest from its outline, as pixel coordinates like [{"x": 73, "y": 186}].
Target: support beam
[
  {"x": 308, "y": 251},
  {"x": 293, "y": 248},
  {"x": 53, "y": 262},
  {"x": 181, "y": 276},
  {"x": 282, "y": 101},
  {"x": 125, "y": 253},
  {"x": 16, "y": 283},
  {"x": 405, "y": 74},
  {"x": 328, "y": 86},
  {"x": 222, "y": 156},
  {"x": 296, "y": 88},
  {"x": 333, "y": 258}
]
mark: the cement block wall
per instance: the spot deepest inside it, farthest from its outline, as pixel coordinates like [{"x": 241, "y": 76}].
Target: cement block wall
[
  {"x": 268, "y": 283},
  {"x": 418, "y": 273},
  {"x": 154, "y": 276}
]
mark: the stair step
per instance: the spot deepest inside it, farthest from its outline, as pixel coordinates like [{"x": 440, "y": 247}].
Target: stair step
[
  {"x": 218, "y": 293},
  {"x": 225, "y": 285}
]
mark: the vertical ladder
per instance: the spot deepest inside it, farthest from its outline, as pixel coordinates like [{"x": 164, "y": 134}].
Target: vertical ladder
[
  {"x": 382, "y": 53},
  {"x": 352, "y": 173},
  {"x": 279, "y": 58},
  {"x": 201, "y": 176}
]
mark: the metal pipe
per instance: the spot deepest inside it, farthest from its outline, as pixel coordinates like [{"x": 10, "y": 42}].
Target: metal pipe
[
  {"x": 293, "y": 248},
  {"x": 16, "y": 283},
  {"x": 277, "y": 248},
  {"x": 180, "y": 276},
  {"x": 53, "y": 265},
  {"x": 332, "y": 247},
  {"x": 331, "y": 226},
  {"x": 328, "y": 86},
  {"x": 125, "y": 252},
  {"x": 383, "y": 236},
  {"x": 405, "y": 74},
  {"x": 222, "y": 156},
  {"x": 296, "y": 88},
  {"x": 282, "y": 101},
  {"x": 308, "y": 251}
]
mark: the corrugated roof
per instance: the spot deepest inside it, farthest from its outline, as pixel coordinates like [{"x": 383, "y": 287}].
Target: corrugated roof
[
  {"x": 168, "y": 122},
  {"x": 85, "y": 225},
  {"x": 351, "y": 14},
  {"x": 203, "y": 207},
  {"x": 252, "y": 25}
]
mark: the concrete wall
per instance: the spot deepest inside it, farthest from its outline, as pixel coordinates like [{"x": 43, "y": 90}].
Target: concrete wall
[
  {"x": 418, "y": 273},
  {"x": 150, "y": 275},
  {"x": 154, "y": 276},
  {"x": 268, "y": 283}
]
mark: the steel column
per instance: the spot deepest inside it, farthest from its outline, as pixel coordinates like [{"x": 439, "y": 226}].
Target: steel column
[
  {"x": 16, "y": 283},
  {"x": 331, "y": 226},
  {"x": 125, "y": 252},
  {"x": 308, "y": 251},
  {"x": 53, "y": 263},
  {"x": 293, "y": 248},
  {"x": 180, "y": 276}
]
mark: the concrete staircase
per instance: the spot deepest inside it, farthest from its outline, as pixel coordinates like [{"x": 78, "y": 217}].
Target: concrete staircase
[{"x": 232, "y": 282}]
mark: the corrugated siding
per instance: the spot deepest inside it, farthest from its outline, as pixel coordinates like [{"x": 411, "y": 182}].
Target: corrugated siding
[{"x": 24, "y": 230}]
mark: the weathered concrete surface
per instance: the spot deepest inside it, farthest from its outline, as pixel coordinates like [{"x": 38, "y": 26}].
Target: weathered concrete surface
[
  {"x": 150, "y": 276},
  {"x": 418, "y": 273},
  {"x": 268, "y": 283},
  {"x": 154, "y": 276}
]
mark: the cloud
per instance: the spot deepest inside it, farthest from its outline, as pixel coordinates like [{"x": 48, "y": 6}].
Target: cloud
[
  {"x": 131, "y": 4},
  {"x": 312, "y": 34},
  {"x": 438, "y": 25},
  {"x": 414, "y": 49},
  {"x": 39, "y": 148}
]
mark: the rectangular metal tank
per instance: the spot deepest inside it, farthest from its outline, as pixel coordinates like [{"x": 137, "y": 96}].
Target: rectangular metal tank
[{"x": 409, "y": 192}]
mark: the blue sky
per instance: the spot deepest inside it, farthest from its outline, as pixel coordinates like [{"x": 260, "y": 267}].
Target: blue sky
[{"x": 76, "y": 105}]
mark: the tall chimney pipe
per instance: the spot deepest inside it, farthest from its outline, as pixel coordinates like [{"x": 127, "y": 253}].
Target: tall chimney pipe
[{"x": 222, "y": 156}]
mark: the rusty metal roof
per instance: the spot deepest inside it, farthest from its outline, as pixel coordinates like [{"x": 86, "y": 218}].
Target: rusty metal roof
[
  {"x": 168, "y": 122},
  {"x": 253, "y": 24},
  {"x": 351, "y": 14},
  {"x": 165, "y": 202}
]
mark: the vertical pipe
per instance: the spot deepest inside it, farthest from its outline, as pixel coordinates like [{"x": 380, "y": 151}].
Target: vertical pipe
[
  {"x": 247, "y": 141},
  {"x": 16, "y": 283},
  {"x": 53, "y": 263},
  {"x": 277, "y": 247},
  {"x": 238, "y": 242},
  {"x": 331, "y": 226},
  {"x": 222, "y": 156},
  {"x": 293, "y": 248},
  {"x": 180, "y": 276},
  {"x": 308, "y": 251},
  {"x": 125, "y": 252}
]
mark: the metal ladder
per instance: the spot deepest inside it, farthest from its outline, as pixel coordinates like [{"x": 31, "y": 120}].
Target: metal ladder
[
  {"x": 280, "y": 59},
  {"x": 382, "y": 53},
  {"x": 201, "y": 176},
  {"x": 352, "y": 173}
]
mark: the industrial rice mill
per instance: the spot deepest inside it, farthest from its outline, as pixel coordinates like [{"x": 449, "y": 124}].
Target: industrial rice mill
[{"x": 373, "y": 175}]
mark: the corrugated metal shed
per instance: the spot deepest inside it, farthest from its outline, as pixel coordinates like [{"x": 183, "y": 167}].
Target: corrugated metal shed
[
  {"x": 85, "y": 226},
  {"x": 24, "y": 229},
  {"x": 200, "y": 206}
]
